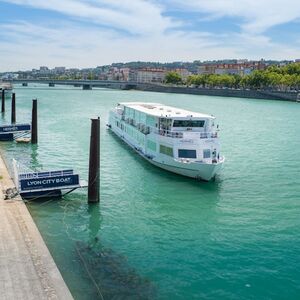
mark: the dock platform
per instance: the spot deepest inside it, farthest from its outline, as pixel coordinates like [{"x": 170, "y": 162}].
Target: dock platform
[{"x": 27, "y": 268}]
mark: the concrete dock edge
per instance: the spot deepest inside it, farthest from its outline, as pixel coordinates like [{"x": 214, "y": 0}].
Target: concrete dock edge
[{"x": 27, "y": 268}]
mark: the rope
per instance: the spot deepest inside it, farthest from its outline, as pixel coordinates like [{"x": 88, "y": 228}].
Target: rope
[
  {"x": 88, "y": 272},
  {"x": 79, "y": 254}
]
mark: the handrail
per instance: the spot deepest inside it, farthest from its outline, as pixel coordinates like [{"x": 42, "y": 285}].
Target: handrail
[{"x": 186, "y": 134}]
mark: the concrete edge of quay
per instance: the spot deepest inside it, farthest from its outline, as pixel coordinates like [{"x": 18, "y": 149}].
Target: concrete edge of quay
[{"x": 27, "y": 268}]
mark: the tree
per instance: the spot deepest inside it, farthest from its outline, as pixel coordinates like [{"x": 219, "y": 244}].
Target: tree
[{"x": 173, "y": 77}]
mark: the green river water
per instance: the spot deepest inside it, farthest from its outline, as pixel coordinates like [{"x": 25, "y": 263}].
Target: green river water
[{"x": 157, "y": 235}]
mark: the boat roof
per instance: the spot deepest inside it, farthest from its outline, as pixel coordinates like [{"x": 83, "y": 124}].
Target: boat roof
[{"x": 161, "y": 110}]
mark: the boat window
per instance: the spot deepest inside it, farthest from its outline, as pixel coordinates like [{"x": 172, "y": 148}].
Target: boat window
[
  {"x": 166, "y": 150},
  {"x": 206, "y": 153},
  {"x": 188, "y": 123},
  {"x": 186, "y": 153},
  {"x": 165, "y": 123},
  {"x": 151, "y": 145}
]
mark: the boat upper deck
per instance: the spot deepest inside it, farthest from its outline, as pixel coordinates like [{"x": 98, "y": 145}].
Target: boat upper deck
[{"x": 161, "y": 110}]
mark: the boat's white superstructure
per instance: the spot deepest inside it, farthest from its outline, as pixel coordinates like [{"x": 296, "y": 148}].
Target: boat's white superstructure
[{"x": 174, "y": 139}]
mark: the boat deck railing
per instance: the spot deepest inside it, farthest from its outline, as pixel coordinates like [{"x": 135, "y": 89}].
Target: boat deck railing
[{"x": 186, "y": 134}]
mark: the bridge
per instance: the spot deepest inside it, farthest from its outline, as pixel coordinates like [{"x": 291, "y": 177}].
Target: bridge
[{"x": 85, "y": 84}]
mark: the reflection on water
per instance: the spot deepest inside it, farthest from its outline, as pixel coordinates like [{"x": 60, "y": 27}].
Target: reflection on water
[
  {"x": 34, "y": 158},
  {"x": 94, "y": 221}
]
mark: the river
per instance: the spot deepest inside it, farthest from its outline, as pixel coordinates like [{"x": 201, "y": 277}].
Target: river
[{"x": 157, "y": 235}]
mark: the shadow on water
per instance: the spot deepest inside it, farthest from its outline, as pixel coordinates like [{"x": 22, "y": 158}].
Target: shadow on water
[
  {"x": 109, "y": 271},
  {"x": 105, "y": 273},
  {"x": 111, "y": 274}
]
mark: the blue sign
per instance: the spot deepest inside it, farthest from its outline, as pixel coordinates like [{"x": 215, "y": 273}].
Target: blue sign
[
  {"x": 14, "y": 128},
  {"x": 49, "y": 182}
]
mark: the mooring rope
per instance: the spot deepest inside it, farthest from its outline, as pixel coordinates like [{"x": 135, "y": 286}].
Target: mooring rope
[{"x": 79, "y": 254}]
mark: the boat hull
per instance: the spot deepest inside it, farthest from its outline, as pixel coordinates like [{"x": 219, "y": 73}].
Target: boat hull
[
  {"x": 196, "y": 170},
  {"x": 201, "y": 171}
]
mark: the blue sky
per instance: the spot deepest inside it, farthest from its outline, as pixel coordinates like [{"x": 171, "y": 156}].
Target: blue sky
[{"x": 87, "y": 33}]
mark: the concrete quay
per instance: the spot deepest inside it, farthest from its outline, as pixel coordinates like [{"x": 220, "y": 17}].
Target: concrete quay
[{"x": 27, "y": 268}]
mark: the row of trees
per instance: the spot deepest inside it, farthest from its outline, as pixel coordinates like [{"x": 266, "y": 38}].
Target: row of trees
[{"x": 274, "y": 77}]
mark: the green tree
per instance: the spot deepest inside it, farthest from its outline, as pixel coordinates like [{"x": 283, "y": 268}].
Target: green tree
[{"x": 173, "y": 77}]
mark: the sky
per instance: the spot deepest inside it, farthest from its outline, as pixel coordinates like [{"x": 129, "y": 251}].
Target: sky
[{"x": 89, "y": 33}]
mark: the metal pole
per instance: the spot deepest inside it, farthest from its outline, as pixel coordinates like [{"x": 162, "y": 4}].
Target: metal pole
[
  {"x": 13, "y": 108},
  {"x": 34, "y": 123},
  {"x": 3, "y": 101},
  {"x": 94, "y": 163}
]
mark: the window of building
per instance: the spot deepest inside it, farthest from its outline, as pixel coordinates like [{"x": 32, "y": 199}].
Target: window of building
[
  {"x": 166, "y": 150},
  {"x": 186, "y": 153},
  {"x": 188, "y": 123},
  {"x": 206, "y": 153}
]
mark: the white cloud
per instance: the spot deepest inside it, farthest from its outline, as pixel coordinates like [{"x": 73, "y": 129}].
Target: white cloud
[
  {"x": 70, "y": 45},
  {"x": 134, "y": 16},
  {"x": 27, "y": 45},
  {"x": 257, "y": 16}
]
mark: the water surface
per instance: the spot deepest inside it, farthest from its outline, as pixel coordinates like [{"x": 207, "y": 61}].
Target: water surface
[{"x": 157, "y": 235}]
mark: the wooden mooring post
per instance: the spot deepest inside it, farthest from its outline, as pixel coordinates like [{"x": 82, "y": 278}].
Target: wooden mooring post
[
  {"x": 94, "y": 163},
  {"x": 3, "y": 101},
  {"x": 34, "y": 123},
  {"x": 13, "y": 108}
]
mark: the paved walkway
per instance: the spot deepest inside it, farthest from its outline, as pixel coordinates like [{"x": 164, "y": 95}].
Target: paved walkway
[{"x": 27, "y": 269}]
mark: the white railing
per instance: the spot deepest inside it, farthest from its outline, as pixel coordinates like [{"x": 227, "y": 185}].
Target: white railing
[
  {"x": 170, "y": 133},
  {"x": 186, "y": 134}
]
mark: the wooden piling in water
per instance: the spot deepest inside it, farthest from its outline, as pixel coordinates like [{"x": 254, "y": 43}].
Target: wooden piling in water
[
  {"x": 34, "y": 123},
  {"x": 3, "y": 101},
  {"x": 94, "y": 163},
  {"x": 13, "y": 108}
]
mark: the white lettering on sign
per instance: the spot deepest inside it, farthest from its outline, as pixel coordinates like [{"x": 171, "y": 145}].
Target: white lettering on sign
[
  {"x": 10, "y": 128},
  {"x": 187, "y": 141},
  {"x": 49, "y": 181}
]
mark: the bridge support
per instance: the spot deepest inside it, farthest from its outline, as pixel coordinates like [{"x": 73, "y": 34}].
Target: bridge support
[
  {"x": 24, "y": 84},
  {"x": 86, "y": 87},
  {"x": 51, "y": 84}
]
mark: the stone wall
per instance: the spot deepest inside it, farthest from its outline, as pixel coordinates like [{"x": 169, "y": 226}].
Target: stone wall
[{"x": 257, "y": 94}]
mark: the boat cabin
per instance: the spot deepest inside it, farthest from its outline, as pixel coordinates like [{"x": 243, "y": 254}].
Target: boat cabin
[{"x": 164, "y": 118}]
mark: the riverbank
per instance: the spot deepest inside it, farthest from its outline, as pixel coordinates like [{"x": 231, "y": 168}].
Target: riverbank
[
  {"x": 255, "y": 94},
  {"x": 27, "y": 268}
]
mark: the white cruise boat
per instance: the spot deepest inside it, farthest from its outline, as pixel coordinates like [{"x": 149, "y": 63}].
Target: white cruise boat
[{"x": 173, "y": 139}]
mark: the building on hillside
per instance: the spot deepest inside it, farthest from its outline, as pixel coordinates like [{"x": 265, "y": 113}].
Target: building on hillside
[
  {"x": 184, "y": 73},
  {"x": 124, "y": 74},
  {"x": 59, "y": 70},
  {"x": 239, "y": 68},
  {"x": 147, "y": 75},
  {"x": 44, "y": 70}
]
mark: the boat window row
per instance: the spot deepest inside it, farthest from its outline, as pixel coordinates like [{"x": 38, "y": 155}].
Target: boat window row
[
  {"x": 186, "y": 153},
  {"x": 188, "y": 123},
  {"x": 166, "y": 150}
]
